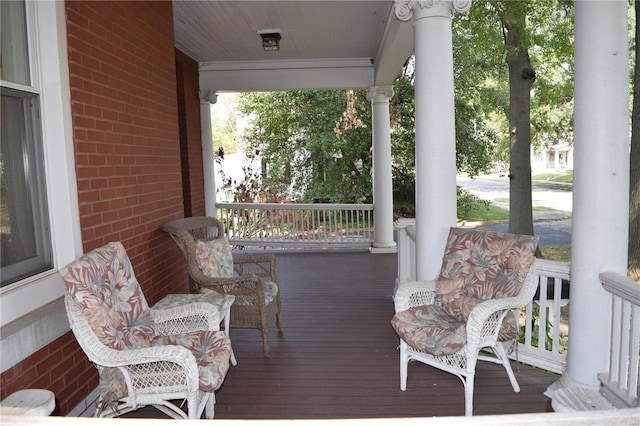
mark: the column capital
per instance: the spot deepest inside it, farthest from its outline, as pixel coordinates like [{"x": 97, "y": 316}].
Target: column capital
[
  {"x": 375, "y": 92},
  {"x": 208, "y": 97},
  {"x": 406, "y": 9}
]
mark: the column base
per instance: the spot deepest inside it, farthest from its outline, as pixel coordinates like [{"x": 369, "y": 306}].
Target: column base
[
  {"x": 562, "y": 387},
  {"x": 377, "y": 248}
]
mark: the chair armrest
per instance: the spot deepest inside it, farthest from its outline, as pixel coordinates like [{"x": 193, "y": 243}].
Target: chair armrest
[
  {"x": 188, "y": 317},
  {"x": 263, "y": 266},
  {"x": 242, "y": 286},
  {"x": 485, "y": 319},
  {"x": 414, "y": 293},
  {"x": 108, "y": 357}
]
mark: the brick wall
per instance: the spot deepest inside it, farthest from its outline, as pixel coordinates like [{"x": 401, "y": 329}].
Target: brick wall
[
  {"x": 126, "y": 132},
  {"x": 127, "y": 139},
  {"x": 61, "y": 367}
]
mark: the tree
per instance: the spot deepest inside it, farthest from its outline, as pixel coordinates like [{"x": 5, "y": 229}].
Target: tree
[{"x": 521, "y": 77}]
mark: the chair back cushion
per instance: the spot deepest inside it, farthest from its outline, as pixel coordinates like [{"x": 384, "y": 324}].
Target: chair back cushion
[
  {"x": 104, "y": 287},
  {"x": 214, "y": 257},
  {"x": 480, "y": 265}
]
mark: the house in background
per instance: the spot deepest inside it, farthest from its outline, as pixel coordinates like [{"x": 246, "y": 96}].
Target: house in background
[
  {"x": 106, "y": 137},
  {"x": 558, "y": 157}
]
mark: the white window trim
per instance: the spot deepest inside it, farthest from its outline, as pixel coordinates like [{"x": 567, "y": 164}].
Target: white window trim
[{"x": 47, "y": 34}]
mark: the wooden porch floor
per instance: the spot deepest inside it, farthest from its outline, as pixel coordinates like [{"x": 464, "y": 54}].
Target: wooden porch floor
[{"x": 337, "y": 357}]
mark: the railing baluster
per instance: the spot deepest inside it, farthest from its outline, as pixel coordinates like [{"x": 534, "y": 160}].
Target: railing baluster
[{"x": 302, "y": 225}]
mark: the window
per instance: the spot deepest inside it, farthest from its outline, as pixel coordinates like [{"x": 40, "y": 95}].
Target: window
[
  {"x": 34, "y": 86},
  {"x": 24, "y": 223}
]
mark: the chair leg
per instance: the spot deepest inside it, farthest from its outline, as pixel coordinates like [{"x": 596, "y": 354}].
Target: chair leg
[
  {"x": 404, "y": 361},
  {"x": 502, "y": 355},
  {"x": 265, "y": 341},
  {"x": 468, "y": 394},
  {"x": 210, "y": 407}
]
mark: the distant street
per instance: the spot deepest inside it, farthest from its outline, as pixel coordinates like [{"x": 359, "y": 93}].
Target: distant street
[{"x": 547, "y": 225}]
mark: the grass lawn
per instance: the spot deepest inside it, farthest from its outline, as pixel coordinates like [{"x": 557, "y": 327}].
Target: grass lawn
[{"x": 486, "y": 212}]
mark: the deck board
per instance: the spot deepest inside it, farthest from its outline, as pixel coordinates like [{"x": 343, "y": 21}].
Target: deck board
[{"x": 337, "y": 356}]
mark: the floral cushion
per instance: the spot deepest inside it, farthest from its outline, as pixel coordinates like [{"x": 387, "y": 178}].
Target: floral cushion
[
  {"x": 430, "y": 329},
  {"x": 221, "y": 302},
  {"x": 214, "y": 258},
  {"x": 104, "y": 287},
  {"x": 212, "y": 350},
  {"x": 481, "y": 265},
  {"x": 270, "y": 292}
]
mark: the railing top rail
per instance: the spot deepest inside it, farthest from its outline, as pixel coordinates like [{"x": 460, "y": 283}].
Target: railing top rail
[
  {"x": 295, "y": 206},
  {"x": 621, "y": 286}
]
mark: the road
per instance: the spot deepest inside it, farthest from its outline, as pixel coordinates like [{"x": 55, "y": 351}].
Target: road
[{"x": 547, "y": 223}]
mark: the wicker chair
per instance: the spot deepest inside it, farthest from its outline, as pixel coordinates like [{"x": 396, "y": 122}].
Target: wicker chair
[
  {"x": 472, "y": 306},
  {"x": 251, "y": 279},
  {"x": 144, "y": 356}
]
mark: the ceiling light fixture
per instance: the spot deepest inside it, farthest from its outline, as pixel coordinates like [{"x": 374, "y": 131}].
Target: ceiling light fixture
[{"x": 270, "y": 40}]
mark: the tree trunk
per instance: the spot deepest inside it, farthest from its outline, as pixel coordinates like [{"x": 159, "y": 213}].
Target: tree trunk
[
  {"x": 521, "y": 77},
  {"x": 634, "y": 171}
]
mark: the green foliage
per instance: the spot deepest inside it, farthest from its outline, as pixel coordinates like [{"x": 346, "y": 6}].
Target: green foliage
[
  {"x": 467, "y": 203},
  {"x": 481, "y": 76},
  {"x": 316, "y": 144}
]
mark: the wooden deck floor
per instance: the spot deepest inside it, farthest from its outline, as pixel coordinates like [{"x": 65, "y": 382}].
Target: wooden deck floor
[{"x": 337, "y": 357}]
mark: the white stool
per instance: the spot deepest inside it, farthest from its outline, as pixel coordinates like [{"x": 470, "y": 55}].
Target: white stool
[{"x": 29, "y": 402}]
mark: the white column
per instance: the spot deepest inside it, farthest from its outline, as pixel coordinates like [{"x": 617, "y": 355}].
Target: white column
[
  {"x": 601, "y": 182},
  {"x": 207, "y": 97},
  {"x": 436, "y": 208},
  {"x": 382, "y": 181}
]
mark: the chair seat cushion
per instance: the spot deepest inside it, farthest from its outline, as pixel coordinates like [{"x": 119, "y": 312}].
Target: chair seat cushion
[
  {"x": 270, "y": 293},
  {"x": 212, "y": 350},
  {"x": 429, "y": 328}
]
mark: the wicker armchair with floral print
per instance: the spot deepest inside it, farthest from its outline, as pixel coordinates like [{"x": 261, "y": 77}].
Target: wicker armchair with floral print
[
  {"x": 471, "y": 307},
  {"x": 144, "y": 356}
]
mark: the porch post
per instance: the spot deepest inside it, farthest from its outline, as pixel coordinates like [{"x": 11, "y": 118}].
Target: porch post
[
  {"x": 382, "y": 181},
  {"x": 601, "y": 183},
  {"x": 208, "y": 97},
  {"x": 436, "y": 209}
]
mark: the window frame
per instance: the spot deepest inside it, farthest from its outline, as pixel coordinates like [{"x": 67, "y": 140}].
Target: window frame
[{"x": 46, "y": 33}]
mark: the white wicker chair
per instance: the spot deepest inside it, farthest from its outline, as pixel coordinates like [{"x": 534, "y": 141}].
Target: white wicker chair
[
  {"x": 482, "y": 330},
  {"x": 155, "y": 373}
]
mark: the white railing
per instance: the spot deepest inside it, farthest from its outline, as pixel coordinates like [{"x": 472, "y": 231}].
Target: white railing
[
  {"x": 544, "y": 330},
  {"x": 544, "y": 333},
  {"x": 297, "y": 225},
  {"x": 620, "y": 382}
]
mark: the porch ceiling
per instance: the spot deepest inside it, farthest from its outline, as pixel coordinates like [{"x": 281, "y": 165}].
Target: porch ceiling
[{"x": 325, "y": 44}]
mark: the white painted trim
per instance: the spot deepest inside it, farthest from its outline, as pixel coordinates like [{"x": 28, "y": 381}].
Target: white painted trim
[
  {"x": 285, "y": 64},
  {"x": 49, "y": 31},
  {"x": 287, "y": 75}
]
